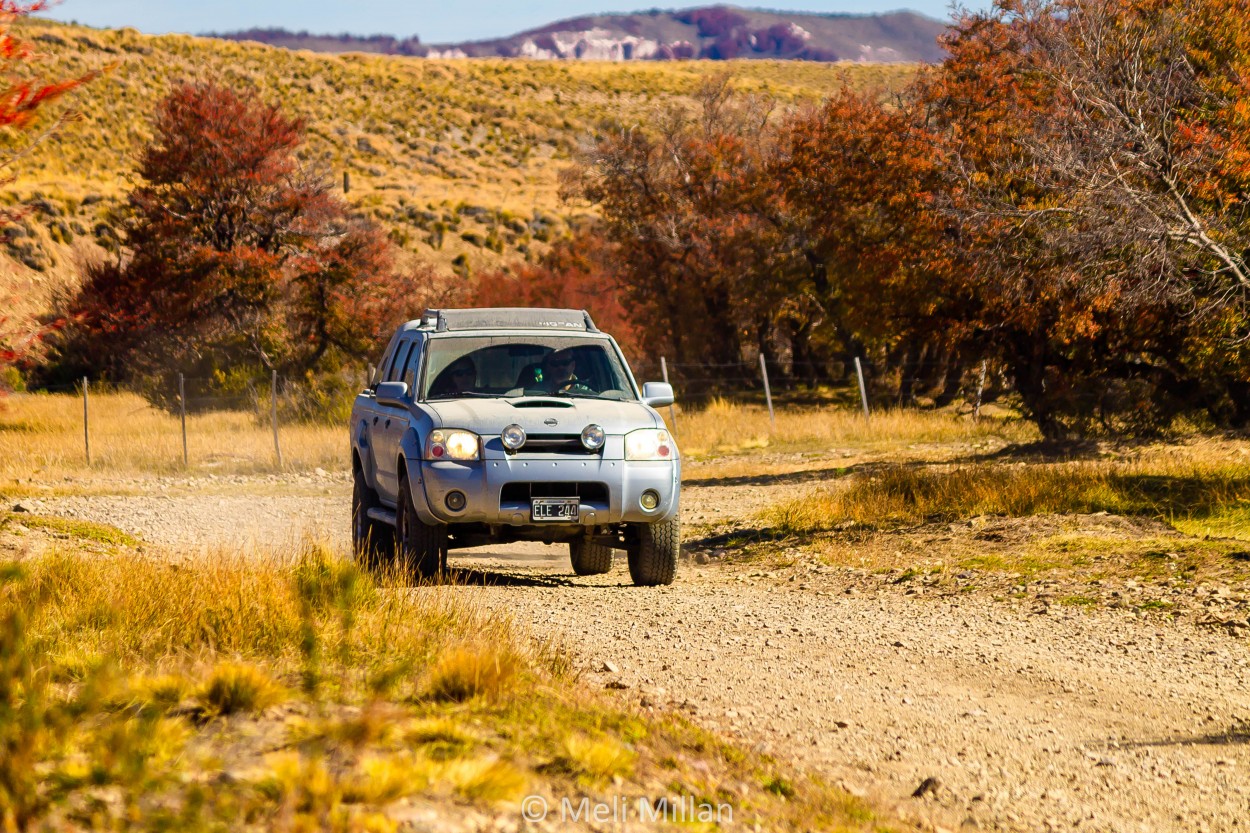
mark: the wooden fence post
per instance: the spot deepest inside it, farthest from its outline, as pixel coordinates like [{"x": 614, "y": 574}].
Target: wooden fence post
[
  {"x": 976, "y": 409},
  {"x": 273, "y": 407},
  {"x": 768, "y": 393},
  {"x": 863, "y": 390},
  {"x": 182, "y": 406},
  {"x": 86, "y": 421},
  {"x": 672, "y": 412}
]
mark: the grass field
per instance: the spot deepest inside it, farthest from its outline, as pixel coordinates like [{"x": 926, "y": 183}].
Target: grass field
[{"x": 298, "y": 694}]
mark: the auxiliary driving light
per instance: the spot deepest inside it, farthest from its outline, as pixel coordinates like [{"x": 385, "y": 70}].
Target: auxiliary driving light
[
  {"x": 455, "y": 501},
  {"x": 593, "y": 437},
  {"x": 649, "y": 500},
  {"x": 512, "y": 437}
]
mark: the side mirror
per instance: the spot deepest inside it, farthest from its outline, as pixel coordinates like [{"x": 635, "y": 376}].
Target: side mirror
[
  {"x": 657, "y": 394},
  {"x": 392, "y": 393}
]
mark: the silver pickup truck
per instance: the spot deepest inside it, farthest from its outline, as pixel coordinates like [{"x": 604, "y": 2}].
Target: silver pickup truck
[{"x": 485, "y": 426}]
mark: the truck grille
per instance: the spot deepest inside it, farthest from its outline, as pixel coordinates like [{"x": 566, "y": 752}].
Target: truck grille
[
  {"x": 522, "y": 492},
  {"x": 554, "y": 444}
]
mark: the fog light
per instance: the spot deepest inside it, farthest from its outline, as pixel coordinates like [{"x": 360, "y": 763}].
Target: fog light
[
  {"x": 512, "y": 437},
  {"x": 593, "y": 437},
  {"x": 455, "y": 501},
  {"x": 649, "y": 500}
]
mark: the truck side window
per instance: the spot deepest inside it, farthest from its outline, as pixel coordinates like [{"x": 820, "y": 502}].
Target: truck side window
[
  {"x": 414, "y": 363},
  {"x": 395, "y": 372},
  {"x": 379, "y": 372}
]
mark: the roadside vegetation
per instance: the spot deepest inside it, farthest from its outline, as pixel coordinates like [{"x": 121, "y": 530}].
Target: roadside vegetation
[
  {"x": 266, "y": 692},
  {"x": 1174, "y": 514}
]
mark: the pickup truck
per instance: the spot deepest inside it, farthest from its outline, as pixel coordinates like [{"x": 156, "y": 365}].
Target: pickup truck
[{"x": 487, "y": 426}]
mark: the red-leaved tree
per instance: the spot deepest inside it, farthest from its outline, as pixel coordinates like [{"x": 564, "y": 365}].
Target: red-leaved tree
[{"x": 237, "y": 258}]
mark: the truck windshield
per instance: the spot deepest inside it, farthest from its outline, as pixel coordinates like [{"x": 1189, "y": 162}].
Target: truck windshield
[{"x": 513, "y": 366}]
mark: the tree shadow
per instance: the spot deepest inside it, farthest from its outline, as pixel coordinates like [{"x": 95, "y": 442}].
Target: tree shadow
[
  {"x": 1233, "y": 736},
  {"x": 784, "y": 478},
  {"x": 483, "y": 577},
  {"x": 1045, "y": 451}
]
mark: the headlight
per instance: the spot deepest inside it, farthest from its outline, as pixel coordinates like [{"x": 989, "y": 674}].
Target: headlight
[
  {"x": 649, "y": 444},
  {"x": 451, "y": 445},
  {"x": 512, "y": 437},
  {"x": 593, "y": 437}
]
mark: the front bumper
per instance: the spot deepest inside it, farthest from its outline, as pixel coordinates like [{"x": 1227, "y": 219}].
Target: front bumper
[{"x": 482, "y": 482}]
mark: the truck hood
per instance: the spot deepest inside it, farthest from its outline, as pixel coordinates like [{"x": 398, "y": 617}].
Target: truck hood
[{"x": 533, "y": 413}]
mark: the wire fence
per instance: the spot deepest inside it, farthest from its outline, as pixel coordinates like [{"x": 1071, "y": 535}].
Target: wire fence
[{"x": 180, "y": 408}]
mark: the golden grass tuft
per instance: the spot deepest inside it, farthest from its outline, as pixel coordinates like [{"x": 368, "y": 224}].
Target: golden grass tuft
[
  {"x": 485, "y": 779},
  {"x": 597, "y": 760},
  {"x": 440, "y": 739},
  {"x": 235, "y": 688},
  {"x": 383, "y": 779},
  {"x": 473, "y": 670}
]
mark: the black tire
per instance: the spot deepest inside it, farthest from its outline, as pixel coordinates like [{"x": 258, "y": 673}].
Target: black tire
[
  {"x": 653, "y": 559},
  {"x": 589, "y": 558},
  {"x": 420, "y": 547},
  {"x": 372, "y": 541}
]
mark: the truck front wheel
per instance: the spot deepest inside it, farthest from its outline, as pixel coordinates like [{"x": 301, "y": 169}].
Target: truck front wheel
[
  {"x": 653, "y": 556},
  {"x": 422, "y": 547}
]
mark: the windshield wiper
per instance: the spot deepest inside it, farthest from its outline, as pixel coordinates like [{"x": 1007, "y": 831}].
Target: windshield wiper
[
  {"x": 576, "y": 395},
  {"x": 465, "y": 393}
]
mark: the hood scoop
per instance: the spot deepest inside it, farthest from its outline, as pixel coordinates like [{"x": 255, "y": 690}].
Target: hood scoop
[{"x": 542, "y": 403}]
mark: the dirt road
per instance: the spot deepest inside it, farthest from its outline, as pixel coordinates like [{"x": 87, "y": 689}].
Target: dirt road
[{"x": 1000, "y": 715}]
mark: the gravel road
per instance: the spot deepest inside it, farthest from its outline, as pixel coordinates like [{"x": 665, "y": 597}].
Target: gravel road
[{"x": 1000, "y": 717}]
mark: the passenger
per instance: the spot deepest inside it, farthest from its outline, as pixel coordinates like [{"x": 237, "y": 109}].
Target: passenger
[{"x": 559, "y": 370}]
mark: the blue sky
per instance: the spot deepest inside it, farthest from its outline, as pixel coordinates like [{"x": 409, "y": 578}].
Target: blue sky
[{"x": 434, "y": 22}]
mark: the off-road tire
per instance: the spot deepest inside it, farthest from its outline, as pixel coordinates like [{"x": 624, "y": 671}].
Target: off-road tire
[
  {"x": 421, "y": 547},
  {"x": 590, "y": 558},
  {"x": 653, "y": 557},
  {"x": 373, "y": 542}
]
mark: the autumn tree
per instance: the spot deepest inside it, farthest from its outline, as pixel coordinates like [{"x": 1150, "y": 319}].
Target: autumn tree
[
  {"x": 701, "y": 258},
  {"x": 236, "y": 255},
  {"x": 1098, "y": 166}
]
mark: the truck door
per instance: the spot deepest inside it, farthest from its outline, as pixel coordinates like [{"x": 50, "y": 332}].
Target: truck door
[{"x": 390, "y": 422}]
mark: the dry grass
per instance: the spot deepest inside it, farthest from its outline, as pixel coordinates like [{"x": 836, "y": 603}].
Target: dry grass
[
  {"x": 900, "y": 495},
  {"x": 234, "y": 688},
  {"x": 478, "y": 670},
  {"x": 41, "y": 436},
  {"x": 726, "y": 427},
  {"x": 144, "y": 686}
]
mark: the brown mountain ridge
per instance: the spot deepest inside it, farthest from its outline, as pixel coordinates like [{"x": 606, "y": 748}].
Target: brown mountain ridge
[{"x": 712, "y": 32}]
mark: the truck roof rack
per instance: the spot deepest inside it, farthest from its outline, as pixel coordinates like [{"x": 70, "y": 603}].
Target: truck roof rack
[{"x": 507, "y": 318}]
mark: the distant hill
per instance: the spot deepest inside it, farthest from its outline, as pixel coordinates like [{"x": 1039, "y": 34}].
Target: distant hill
[{"x": 713, "y": 33}]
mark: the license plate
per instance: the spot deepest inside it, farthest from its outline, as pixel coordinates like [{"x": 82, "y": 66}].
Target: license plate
[{"x": 554, "y": 509}]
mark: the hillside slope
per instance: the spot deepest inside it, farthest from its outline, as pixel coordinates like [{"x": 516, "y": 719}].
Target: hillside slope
[
  {"x": 458, "y": 159},
  {"x": 713, "y": 32}
]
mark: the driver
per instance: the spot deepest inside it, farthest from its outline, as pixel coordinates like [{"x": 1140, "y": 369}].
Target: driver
[
  {"x": 459, "y": 377},
  {"x": 560, "y": 370}
]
